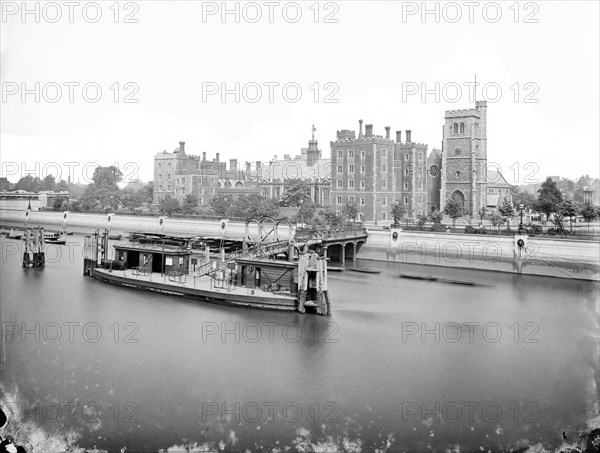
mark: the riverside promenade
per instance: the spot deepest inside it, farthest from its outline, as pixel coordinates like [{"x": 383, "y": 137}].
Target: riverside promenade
[{"x": 564, "y": 258}]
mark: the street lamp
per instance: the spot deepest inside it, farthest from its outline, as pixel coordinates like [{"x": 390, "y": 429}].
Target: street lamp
[{"x": 521, "y": 227}]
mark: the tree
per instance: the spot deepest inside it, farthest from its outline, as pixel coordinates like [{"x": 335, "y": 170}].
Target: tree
[
  {"x": 146, "y": 193},
  {"x": 28, "y": 183},
  {"x": 220, "y": 205},
  {"x": 496, "y": 220},
  {"x": 454, "y": 210},
  {"x": 296, "y": 192},
  {"x": 507, "y": 210},
  {"x": 422, "y": 220},
  {"x": 330, "y": 216},
  {"x": 570, "y": 210},
  {"x": 253, "y": 206},
  {"x": 107, "y": 176},
  {"x": 48, "y": 183},
  {"x": 549, "y": 198},
  {"x": 589, "y": 213},
  {"x": 349, "y": 211},
  {"x": 190, "y": 204},
  {"x": 168, "y": 205},
  {"x": 306, "y": 212},
  {"x": 436, "y": 217},
  {"x": 399, "y": 210}
]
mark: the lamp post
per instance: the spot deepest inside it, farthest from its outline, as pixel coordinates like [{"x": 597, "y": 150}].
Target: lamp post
[{"x": 521, "y": 227}]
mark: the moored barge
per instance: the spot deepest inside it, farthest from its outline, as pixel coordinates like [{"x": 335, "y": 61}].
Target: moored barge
[{"x": 182, "y": 266}]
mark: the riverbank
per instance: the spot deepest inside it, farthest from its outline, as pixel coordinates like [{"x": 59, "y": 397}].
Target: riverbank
[{"x": 543, "y": 256}]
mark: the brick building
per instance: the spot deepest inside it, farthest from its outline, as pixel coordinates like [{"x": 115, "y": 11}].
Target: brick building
[{"x": 373, "y": 172}]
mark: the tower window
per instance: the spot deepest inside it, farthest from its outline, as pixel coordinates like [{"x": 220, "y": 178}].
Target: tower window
[
  {"x": 462, "y": 128},
  {"x": 455, "y": 128},
  {"x": 457, "y": 174}
]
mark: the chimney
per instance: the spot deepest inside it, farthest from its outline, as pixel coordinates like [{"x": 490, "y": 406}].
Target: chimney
[
  {"x": 258, "y": 166},
  {"x": 387, "y": 132},
  {"x": 217, "y": 157},
  {"x": 248, "y": 167},
  {"x": 233, "y": 165},
  {"x": 369, "y": 130},
  {"x": 204, "y": 156},
  {"x": 398, "y": 136},
  {"x": 182, "y": 147},
  {"x": 408, "y": 140},
  {"x": 360, "y": 134}
]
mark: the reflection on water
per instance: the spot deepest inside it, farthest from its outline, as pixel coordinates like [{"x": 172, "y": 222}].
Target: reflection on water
[{"x": 428, "y": 363}]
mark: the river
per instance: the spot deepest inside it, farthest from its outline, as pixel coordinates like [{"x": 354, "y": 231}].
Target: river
[{"x": 400, "y": 365}]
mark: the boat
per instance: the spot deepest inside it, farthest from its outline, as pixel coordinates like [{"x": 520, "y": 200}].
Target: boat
[
  {"x": 364, "y": 270},
  {"x": 55, "y": 237},
  {"x": 335, "y": 269},
  {"x": 419, "y": 277},
  {"x": 114, "y": 237},
  {"x": 179, "y": 266}
]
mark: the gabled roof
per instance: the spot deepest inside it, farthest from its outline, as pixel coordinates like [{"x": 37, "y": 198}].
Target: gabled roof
[{"x": 495, "y": 178}]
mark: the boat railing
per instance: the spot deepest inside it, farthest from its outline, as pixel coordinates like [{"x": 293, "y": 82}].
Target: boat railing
[
  {"x": 141, "y": 270},
  {"x": 177, "y": 277}
]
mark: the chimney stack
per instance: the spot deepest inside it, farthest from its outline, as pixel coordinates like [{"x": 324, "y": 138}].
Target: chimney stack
[
  {"x": 217, "y": 157},
  {"x": 204, "y": 156},
  {"x": 387, "y": 132},
  {"x": 248, "y": 168},
  {"x": 369, "y": 130},
  {"x": 360, "y": 134},
  {"x": 398, "y": 136},
  {"x": 408, "y": 139},
  {"x": 182, "y": 147}
]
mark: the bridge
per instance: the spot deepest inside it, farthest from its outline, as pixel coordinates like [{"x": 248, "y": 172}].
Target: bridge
[{"x": 336, "y": 243}]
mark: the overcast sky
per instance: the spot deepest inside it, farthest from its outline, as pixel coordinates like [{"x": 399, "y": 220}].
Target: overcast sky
[{"x": 366, "y": 55}]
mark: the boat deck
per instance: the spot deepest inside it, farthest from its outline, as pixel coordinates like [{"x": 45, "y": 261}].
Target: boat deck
[{"x": 199, "y": 287}]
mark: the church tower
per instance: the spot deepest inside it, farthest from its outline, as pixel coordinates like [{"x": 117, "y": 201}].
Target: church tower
[{"x": 464, "y": 158}]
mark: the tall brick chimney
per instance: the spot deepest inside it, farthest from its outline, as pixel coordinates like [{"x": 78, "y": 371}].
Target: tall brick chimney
[
  {"x": 182, "y": 147},
  {"x": 360, "y": 133},
  {"x": 204, "y": 156},
  {"x": 387, "y": 132},
  {"x": 408, "y": 139},
  {"x": 398, "y": 136},
  {"x": 217, "y": 157},
  {"x": 369, "y": 130}
]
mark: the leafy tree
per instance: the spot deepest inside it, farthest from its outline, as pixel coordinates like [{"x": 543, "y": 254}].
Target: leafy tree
[
  {"x": 436, "y": 217},
  {"x": 349, "y": 211},
  {"x": 190, "y": 204},
  {"x": 253, "y": 206},
  {"x": 306, "y": 212},
  {"x": 168, "y": 205},
  {"x": 589, "y": 213},
  {"x": 146, "y": 193},
  {"x": 296, "y": 192},
  {"x": 422, "y": 220},
  {"x": 507, "y": 210},
  {"x": 454, "y": 210},
  {"x": 399, "y": 210},
  {"x": 48, "y": 183},
  {"x": 549, "y": 198},
  {"x": 330, "y": 216},
  {"x": 496, "y": 220},
  {"x": 570, "y": 210},
  {"x": 220, "y": 205},
  {"x": 28, "y": 183},
  {"x": 107, "y": 176}
]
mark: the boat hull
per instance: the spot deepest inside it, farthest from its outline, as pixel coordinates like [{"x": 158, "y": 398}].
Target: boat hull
[{"x": 220, "y": 297}]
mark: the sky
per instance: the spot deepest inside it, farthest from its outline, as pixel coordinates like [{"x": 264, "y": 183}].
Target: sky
[{"x": 154, "y": 74}]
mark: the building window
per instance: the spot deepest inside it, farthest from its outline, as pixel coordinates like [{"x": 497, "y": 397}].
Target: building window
[
  {"x": 383, "y": 184},
  {"x": 406, "y": 185},
  {"x": 406, "y": 156},
  {"x": 384, "y": 216},
  {"x": 169, "y": 187},
  {"x": 383, "y": 201},
  {"x": 340, "y": 184},
  {"x": 458, "y": 174},
  {"x": 405, "y": 200},
  {"x": 351, "y": 200},
  {"x": 182, "y": 180},
  {"x": 406, "y": 171},
  {"x": 362, "y": 154},
  {"x": 351, "y": 154},
  {"x": 420, "y": 156},
  {"x": 384, "y": 168},
  {"x": 351, "y": 168},
  {"x": 362, "y": 184},
  {"x": 362, "y": 169},
  {"x": 339, "y": 200},
  {"x": 340, "y": 154},
  {"x": 362, "y": 201},
  {"x": 420, "y": 199},
  {"x": 351, "y": 183},
  {"x": 160, "y": 187},
  {"x": 384, "y": 153},
  {"x": 340, "y": 169},
  {"x": 462, "y": 128},
  {"x": 455, "y": 128}
]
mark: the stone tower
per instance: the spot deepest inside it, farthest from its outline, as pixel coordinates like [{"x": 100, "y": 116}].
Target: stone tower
[{"x": 464, "y": 158}]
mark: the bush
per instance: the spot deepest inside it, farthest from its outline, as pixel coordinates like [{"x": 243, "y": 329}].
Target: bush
[
  {"x": 470, "y": 230},
  {"x": 437, "y": 227}
]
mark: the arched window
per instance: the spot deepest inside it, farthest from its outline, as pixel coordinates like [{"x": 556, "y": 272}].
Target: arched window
[
  {"x": 455, "y": 128},
  {"x": 462, "y": 128}
]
